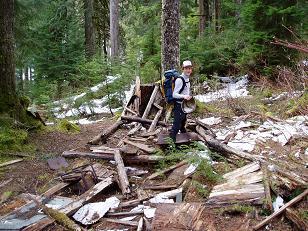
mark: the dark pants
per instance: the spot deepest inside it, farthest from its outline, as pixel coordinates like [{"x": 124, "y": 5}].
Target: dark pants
[{"x": 179, "y": 121}]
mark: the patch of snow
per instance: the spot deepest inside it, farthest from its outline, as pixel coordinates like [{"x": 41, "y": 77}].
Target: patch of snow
[
  {"x": 92, "y": 212},
  {"x": 243, "y": 145},
  {"x": 232, "y": 90},
  {"x": 158, "y": 199},
  {"x": 191, "y": 169},
  {"x": 278, "y": 203},
  {"x": 211, "y": 120},
  {"x": 243, "y": 124}
]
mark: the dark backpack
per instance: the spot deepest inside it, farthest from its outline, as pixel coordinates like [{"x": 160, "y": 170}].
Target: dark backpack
[{"x": 170, "y": 77}]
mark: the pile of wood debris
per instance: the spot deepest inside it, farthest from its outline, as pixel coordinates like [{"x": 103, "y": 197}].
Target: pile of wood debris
[{"x": 148, "y": 205}]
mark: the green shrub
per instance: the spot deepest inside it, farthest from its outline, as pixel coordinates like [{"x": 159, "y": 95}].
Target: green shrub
[{"x": 66, "y": 126}]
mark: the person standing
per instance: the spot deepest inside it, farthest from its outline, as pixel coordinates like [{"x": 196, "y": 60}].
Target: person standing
[{"x": 181, "y": 91}]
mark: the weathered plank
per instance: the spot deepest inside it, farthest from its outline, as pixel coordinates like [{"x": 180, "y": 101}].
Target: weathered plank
[
  {"x": 96, "y": 189},
  {"x": 123, "y": 179},
  {"x": 183, "y": 216}
]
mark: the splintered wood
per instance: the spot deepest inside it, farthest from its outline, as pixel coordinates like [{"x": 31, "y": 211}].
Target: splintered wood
[
  {"x": 242, "y": 185},
  {"x": 174, "y": 217}
]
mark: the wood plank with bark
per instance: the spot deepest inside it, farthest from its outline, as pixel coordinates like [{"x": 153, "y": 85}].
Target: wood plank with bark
[{"x": 123, "y": 179}]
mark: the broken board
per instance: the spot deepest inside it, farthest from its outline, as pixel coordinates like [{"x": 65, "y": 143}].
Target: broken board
[{"x": 242, "y": 185}]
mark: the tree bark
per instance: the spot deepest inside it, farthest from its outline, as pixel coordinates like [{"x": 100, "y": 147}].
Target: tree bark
[
  {"x": 217, "y": 14},
  {"x": 204, "y": 12},
  {"x": 8, "y": 97},
  {"x": 114, "y": 28},
  {"x": 170, "y": 28},
  {"x": 89, "y": 29}
]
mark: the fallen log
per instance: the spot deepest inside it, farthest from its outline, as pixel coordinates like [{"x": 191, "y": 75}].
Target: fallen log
[
  {"x": 123, "y": 180},
  {"x": 128, "y": 159},
  {"x": 223, "y": 148},
  {"x": 104, "y": 135},
  {"x": 281, "y": 210},
  {"x": 141, "y": 120}
]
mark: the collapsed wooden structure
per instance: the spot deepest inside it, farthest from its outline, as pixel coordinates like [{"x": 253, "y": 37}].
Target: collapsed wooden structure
[{"x": 147, "y": 117}]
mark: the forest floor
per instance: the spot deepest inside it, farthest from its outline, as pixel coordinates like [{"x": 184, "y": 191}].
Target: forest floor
[{"x": 34, "y": 176}]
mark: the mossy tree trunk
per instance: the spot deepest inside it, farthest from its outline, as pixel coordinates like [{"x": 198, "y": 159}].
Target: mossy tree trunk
[
  {"x": 170, "y": 31},
  {"x": 9, "y": 102}
]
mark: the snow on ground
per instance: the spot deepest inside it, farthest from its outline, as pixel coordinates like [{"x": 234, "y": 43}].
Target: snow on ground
[
  {"x": 247, "y": 134},
  {"x": 232, "y": 90},
  {"x": 64, "y": 108}
]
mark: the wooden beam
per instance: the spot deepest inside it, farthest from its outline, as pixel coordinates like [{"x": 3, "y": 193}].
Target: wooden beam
[
  {"x": 151, "y": 100},
  {"x": 123, "y": 179},
  {"x": 129, "y": 159},
  {"x": 281, "y": 210},
  {"x": 155, "y": 120},
  {"x": 141, "y": 120}
]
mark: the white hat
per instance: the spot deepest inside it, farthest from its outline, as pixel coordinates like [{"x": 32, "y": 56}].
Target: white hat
[{"x": 187, "y": 63}]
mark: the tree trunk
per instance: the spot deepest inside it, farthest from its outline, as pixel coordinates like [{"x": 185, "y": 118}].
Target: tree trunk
[
  {"x": 170, "y": 28},
  {"x": 89, "y": 29},
  {"x": 204, "y": 12},
  {"x": 217, "y": 14},
  {"x": 238, "y": 10},
  {"x": 8, "y": 96},
  {"x": 114, "y": 28}
]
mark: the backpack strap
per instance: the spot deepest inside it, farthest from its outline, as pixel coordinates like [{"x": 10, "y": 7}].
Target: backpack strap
[{"x": 184, "y": 84}]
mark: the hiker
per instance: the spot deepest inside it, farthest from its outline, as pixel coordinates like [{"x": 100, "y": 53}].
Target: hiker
[{"x": 180, "y": 93}]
